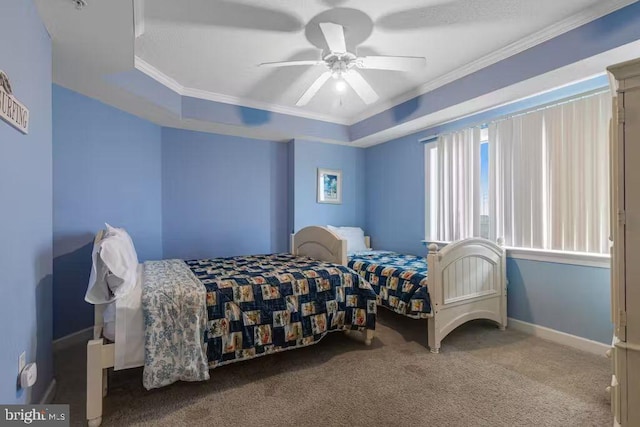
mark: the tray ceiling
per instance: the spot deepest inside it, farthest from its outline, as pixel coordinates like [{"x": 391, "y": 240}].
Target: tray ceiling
[{"x": 213, "y": 47}]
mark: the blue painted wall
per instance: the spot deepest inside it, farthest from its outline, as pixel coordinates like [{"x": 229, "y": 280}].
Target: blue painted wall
[
  {"x": 222, "y": 195},
  {"x": 291, "y": 188},
  {"x": 395, "y": 195},
  {"x": 569, "y": 298},
  {"x": 106, "y": 168},
  {"x": 25, "y": 216},
  {"x": 308, "y": 156}
]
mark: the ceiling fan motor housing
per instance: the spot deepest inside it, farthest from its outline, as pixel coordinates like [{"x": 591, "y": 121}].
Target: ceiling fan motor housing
[{"x": 340, "y": 63}]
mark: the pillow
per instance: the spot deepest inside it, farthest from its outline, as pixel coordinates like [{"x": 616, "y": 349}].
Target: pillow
[
  {"x": 114, "y": 269},
  {"x": 130, "y": 248},
  {"x": 98, "y": 291},
  {"x": 354, "y": 237}
]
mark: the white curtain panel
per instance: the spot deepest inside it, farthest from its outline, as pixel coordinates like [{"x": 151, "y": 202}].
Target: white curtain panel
[
  {"x": 576, "y": 136},
  {"x": 458, "y": 185},
  {"x": 517, "y": 181},
  {"x": 549, "y": 177}
]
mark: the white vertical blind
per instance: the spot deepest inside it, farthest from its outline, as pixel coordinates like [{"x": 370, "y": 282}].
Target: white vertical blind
[
  {"x": 431, "y": 184},
  {"x": 576, "y": 135},
  {"x": 458, "y": 179},
  {"x": 548, "y": 177},
  {"x": 516, "y": 176}
]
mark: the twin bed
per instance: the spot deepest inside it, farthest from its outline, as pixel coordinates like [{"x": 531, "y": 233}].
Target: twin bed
[
  {"x": 466, "y": 280},
  {"x": 221, "y": 311}
]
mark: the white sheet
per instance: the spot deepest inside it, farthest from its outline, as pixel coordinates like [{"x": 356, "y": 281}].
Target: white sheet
[
  {"x": 109, "y": 330},
  {"x": 128, "y": 329}
]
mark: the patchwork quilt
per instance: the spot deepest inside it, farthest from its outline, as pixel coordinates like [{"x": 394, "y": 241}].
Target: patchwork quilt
[
  {"x": 400, "y": 281},
  {"x": 250, "y": 306}
]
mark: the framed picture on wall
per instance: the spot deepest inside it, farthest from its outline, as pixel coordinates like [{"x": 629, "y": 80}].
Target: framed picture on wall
[{"x": 329, "y": 186}]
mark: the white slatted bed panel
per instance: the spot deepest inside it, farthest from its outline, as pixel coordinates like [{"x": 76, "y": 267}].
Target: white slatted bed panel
[
  {"x": 466, "y": 281},
  {"x": 470, "y": 277}
]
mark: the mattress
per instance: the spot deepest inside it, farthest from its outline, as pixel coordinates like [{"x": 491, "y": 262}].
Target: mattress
[
  {"x": 400, "y": 281},
  {"x": 123, "y": 323},
  {"x": 313, "y": 298}
]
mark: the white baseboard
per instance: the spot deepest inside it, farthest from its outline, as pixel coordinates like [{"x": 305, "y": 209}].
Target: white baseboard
[
  {"x": 559, "y": 337},
  {"x": 50, "y": 393},
  {"x": 74, "y": 338}
]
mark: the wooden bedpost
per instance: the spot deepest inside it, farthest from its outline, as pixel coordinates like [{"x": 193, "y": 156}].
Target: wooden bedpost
[
  {"x": 368, "y": 337},
  {"x": 434, "y": 287},
  {"x": 96, "y": 374},
  {"x": 94, "y": 383},
  {"x": 292, "y": 244},
  {"x": 433, "y": 336},
  {"x": 503, "y": 309}
]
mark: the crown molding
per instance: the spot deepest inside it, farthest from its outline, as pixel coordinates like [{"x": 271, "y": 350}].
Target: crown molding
[
  {"x": 174, "y": 85},
  {"x": 599, "y": 10},
  {"x": 157, "y": 75}
]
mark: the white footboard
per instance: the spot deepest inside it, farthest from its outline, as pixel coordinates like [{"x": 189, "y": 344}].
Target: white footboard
[{"x": 467, "y": 280}]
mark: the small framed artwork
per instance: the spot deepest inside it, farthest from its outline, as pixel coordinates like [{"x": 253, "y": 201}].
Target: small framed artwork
[{"x": 329, "y": 186}]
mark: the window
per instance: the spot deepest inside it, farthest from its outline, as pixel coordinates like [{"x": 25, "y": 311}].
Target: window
[{"x": 539, "y": 180}]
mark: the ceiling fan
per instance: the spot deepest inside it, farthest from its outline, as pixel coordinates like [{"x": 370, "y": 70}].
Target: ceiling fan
[{"x": 342, "y": 66}]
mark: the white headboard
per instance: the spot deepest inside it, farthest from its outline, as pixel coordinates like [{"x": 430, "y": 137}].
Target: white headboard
[{"x": 319, "y": 243}]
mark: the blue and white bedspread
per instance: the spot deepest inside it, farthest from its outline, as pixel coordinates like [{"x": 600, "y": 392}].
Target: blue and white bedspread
[
  {"x": 400, "y": 281},
  {"x": 251, "y": 306},
  {"x": 175, "y": 323}
]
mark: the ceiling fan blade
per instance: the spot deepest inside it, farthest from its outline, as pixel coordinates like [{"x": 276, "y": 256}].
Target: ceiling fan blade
[
  {"x": 289, "y": 63},
  {"x": 394, "y": 63},
  {"x": 360, "y": 86},
  {"x": 334, "y": 35},
  {"x": 313, "y": 89}
]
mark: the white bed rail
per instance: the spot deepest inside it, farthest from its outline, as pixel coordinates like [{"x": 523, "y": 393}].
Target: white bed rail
[{"x": 467, "y": 280}]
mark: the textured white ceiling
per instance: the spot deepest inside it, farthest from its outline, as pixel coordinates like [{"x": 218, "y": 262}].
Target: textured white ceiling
[
  {"x": 91, "y": 45},
  {"x": 215, "y": 45}
]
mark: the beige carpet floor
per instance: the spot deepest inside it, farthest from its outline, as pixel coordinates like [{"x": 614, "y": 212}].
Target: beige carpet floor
[{"x": 482, "y": 377}]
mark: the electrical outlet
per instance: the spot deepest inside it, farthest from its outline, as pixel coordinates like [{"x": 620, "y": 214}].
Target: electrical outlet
[{"x": 22, "y": 362}]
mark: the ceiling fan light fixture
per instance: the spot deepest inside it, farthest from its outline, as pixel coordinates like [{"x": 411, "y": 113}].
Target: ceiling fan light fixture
[{"x": 342, "y": 66}]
